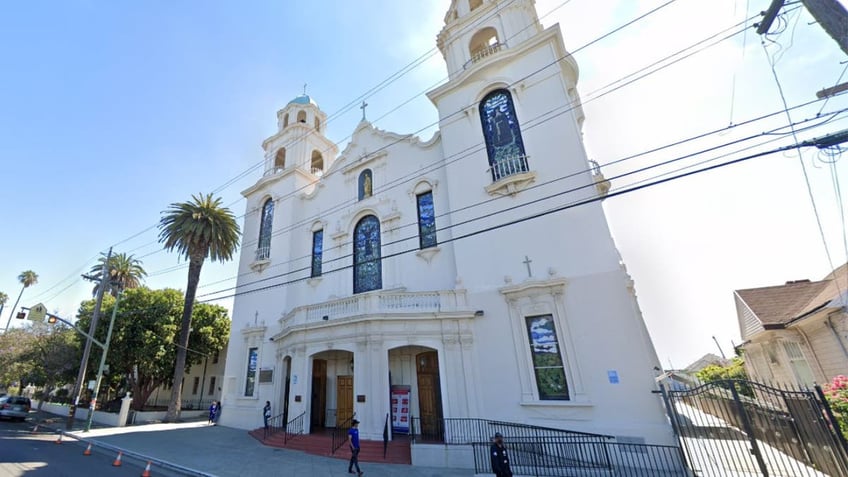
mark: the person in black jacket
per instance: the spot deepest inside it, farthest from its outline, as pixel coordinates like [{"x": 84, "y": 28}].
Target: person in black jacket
[{"x": 500, "y": 460}]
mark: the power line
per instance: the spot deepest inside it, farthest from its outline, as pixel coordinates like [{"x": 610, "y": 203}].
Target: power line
[
  {"x": 533, "y": 216},
  {"x": 515, "y": 207}
]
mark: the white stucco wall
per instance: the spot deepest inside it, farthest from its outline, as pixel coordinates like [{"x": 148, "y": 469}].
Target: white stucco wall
[{"x": 430, "y": 298}]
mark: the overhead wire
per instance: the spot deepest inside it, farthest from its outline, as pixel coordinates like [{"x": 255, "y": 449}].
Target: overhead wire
[
  {"x": 591, "y": 184},
  {"x": 529, "y": 217},
  {"x": 460, "y": 110}
]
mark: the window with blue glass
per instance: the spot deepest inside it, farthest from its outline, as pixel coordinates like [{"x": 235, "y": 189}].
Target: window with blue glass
[
  {"x": 502, "y": 134},
  {"x": 426, "y": 220},
  {"x": 266, "y": 225},
  {"x": 366, "y": 184},
  {"x": 317, "y": 252},
  {"x": 367, "y": 269}
]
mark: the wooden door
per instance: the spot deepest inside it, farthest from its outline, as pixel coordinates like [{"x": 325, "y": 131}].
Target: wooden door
[
  {"x": 344, "y": 399},
  {"x": 429, "y": 394},
  {"x": 319, "y": 393}
]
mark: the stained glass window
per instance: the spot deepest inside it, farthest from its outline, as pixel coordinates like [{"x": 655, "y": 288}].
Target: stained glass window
[
  {"x": 426, "y": 220},
  {"x": 502, "y": 134},
  {"x": 366, "y": 184},
  {"x": 547, "y": 358},
  {"x": 266, "y": 225},
  {"x": 317, "y": 252},
  {"x": 367, "y": 270},
  {"x": 250, "y": 380}
]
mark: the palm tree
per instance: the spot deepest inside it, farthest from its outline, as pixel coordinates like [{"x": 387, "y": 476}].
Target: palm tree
[
  {"x": 125, "y": 272},
  {"x": 3, "y": 299},
  {"x": 197, "y": 229},
  {"x": 27, "y": 278}
]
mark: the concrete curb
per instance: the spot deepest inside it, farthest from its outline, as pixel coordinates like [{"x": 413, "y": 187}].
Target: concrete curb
[{"x": 141, "y": 458}]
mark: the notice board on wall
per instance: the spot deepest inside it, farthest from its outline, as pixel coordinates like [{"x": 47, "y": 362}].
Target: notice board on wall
[{"x": 400, "y": 408}]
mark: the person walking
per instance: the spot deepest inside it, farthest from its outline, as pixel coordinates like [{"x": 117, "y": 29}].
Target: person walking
[
  {"x": 353, "y": 440},
  {"x": 500, "y": 460},
  {"x": 218, "y": 412},
  {"x": 266, "y": 413},
  {"x": 213, "y": 411}
]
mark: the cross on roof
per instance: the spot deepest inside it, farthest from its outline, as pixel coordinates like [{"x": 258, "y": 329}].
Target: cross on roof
[
  {"x": 364, "y": 105},
  {"x": 527, "y": 262}
]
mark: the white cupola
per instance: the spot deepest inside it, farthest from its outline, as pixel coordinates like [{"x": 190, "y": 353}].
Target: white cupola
[{"x": 300, "y": 141}]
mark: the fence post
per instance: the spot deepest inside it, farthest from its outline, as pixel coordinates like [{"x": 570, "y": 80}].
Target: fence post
[
  {"x": 675, "y": 425},
  {"x": 830, "y": 417},
  {"x": 755, "y": 448}
]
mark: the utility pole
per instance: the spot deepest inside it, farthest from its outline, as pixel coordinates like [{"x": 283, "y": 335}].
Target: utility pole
[
  {"x": 719, "y": 348},
  {"x": 832, "y": 17},
  {"x": 78, "y": 386},
  {"x": 102, "y": 367}
]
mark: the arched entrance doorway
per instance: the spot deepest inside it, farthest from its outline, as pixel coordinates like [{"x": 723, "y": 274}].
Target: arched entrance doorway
[
  {"x": 331, "y": 400},
  {"x": 415, "y": 382},
  {"x": 287, "y": 362}
]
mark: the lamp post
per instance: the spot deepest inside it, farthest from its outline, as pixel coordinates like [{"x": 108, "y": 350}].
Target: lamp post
[{"x": 93, "y": 405}]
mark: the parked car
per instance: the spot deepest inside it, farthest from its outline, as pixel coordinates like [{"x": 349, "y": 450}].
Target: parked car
[{"x": 15, "y": 407}]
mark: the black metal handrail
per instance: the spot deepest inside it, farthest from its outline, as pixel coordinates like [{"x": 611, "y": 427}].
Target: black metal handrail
[
  {"x": 340, "y": 433},
  {"x": 274, "y": 425},
  {"x": 294, "y": 428},
  {"x": 291, "y": 429}
]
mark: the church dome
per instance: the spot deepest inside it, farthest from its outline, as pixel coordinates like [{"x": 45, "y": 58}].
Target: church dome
[{"x": 304, "y": 99}]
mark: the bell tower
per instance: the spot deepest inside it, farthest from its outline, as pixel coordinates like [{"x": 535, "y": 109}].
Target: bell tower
[
  {"x": 476, "y": 29},
  {"x": 300, "y": 141}
]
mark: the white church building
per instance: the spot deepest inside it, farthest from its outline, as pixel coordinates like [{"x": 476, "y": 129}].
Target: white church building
[{"x": 437, "y": 271}]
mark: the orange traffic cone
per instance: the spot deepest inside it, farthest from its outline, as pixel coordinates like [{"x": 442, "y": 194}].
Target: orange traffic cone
[
  {"x": 87, "y": 450},
  {"x": 146, "y": 472},
  {"x": 59, "y": 440},
  {"x": 117, "y": 462}
]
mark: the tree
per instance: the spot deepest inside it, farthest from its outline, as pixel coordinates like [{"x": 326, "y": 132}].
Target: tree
[
  {"x": 144, "y": 339},
  {"x": 27, "y": 278},
  {"x": 52, "y": 354},
  {"x": 125, "y": 272},
  {"x": 4, "y": 298},
  {"x": 14, "y": 344},
  {"x": 733, "y": 371},
  {"x": 197, "y": 229}
]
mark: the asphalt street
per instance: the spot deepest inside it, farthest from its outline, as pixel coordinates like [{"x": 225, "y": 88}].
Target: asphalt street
[{"x": 26, "y": 454}]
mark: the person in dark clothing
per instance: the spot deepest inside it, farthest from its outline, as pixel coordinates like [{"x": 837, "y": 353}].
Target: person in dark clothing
[
  {"x": 266, "y": 413},
  {"x": 500, "y": 460},
  {"x": 353, "y": 440}
]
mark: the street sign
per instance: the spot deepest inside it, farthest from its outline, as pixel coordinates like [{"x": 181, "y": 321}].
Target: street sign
[{"x": 37, "y": 313}]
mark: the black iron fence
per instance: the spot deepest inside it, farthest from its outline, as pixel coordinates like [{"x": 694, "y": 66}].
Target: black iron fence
[
  {"x": 543, "y": 451},
  {"x": 734, "y": 426}
]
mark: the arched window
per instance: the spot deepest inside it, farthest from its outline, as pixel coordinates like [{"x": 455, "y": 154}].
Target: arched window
[
  {"x": 266, "y": 224},
  {"x": 367, "y": 270},
  {"x": 484, "y": 43},
  {"x": 301, "y": 117},
  {"x": 317, "y": 163},
  {"x": 280, "y": 159},
  {"x": 366, "y": 184},
  {"x": 474, "y": 4},
  {"x": 286, "y": 120},
  {"x": 317, "y": 123},
  {"x": 503, "y": 135}
]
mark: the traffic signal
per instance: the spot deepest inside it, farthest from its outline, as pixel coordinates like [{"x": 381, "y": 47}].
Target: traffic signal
[{"x": 51, "y": 319}]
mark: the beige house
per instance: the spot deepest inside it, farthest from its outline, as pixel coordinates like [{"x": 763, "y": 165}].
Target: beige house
[{"x": 796, "y": 333}]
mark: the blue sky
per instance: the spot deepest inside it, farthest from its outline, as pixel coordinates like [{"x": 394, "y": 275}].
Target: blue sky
[{"x": 112, "y": 110}]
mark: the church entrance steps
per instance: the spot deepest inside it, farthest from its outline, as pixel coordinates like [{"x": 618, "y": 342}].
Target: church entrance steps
[{"x": 397, "y": 452}]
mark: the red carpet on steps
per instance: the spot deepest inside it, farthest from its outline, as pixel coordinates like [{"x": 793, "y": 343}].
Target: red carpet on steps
[{"x": 398, "y": 452}]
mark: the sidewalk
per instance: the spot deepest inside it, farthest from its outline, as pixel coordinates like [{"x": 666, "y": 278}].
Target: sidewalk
[{"x": 224, "y": 452}]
